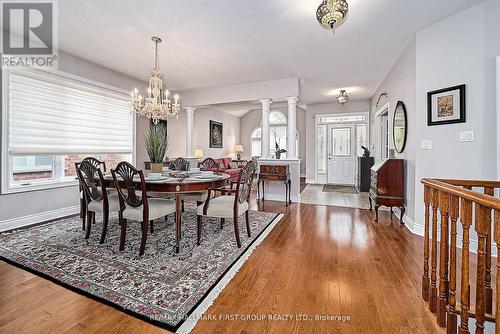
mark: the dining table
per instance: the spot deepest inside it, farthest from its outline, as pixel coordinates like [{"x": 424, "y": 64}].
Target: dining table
[{"x": 175, "y": 184}]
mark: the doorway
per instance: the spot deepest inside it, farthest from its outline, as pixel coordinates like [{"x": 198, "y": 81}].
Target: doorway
[{"x": 341, "y": 155}]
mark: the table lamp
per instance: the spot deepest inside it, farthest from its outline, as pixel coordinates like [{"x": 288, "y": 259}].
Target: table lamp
[
  {"x": 239, "y": 149},
  {"x": 198, "y": 153}
]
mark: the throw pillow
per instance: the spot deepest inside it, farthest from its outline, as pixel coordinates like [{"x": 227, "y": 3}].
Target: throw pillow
[{"x": 233, "y": 165}]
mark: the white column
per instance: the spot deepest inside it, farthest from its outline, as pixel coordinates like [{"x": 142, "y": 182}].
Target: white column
[
  {"x": 266, "y": 135},
  {"x": 292, "y": 127},
  {"x": 189, "y": 131}
]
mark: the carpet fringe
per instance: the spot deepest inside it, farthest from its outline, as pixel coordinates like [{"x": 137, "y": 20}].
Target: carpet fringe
[{"x": 196, "y": 315}]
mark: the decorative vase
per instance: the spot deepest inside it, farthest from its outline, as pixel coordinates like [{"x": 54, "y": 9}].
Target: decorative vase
[
  {"x": 278, "y": 155},
  {"x": 156, "y": 167}
]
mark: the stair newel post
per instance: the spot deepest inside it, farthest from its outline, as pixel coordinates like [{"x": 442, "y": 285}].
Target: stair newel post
[
  {"x": 466, "y": 220},
  {"x": 425, "y": 277}
]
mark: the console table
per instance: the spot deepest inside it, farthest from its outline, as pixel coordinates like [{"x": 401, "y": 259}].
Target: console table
[{"x": 275, "y": 173}]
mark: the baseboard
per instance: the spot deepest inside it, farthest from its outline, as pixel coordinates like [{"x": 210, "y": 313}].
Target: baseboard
[
  {"x": 18, "y": 222},
  {"x": 311, "y": 181}
]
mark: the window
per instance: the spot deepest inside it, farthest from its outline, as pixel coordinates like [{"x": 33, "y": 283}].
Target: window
[
  {"x": 278, "y": 134},
  {"x": 360, "y": 138},
  {"x": 322, "y": 147},
  {"x": 51, "y": 121},
  {"x": 342, "y": 119}
]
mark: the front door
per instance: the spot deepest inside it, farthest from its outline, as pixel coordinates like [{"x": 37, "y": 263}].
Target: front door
[{"x": 341, "y": 154}]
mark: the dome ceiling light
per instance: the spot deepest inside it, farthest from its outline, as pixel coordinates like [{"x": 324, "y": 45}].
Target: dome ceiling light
[{"x": 331, "y": 13}]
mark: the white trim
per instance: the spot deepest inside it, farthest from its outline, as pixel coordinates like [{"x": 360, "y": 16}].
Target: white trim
[
  {"x": 382, "y": 110},
  {"x": 281, "y": 198},
  {"x": 498, "y": 116},
  {"x": 193, "y": 318},
  {"x": 311, "y": 181},
  {"x": 35, "y": 218}
]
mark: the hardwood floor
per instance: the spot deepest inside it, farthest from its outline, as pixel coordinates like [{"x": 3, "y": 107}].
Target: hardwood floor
[{"x": 317, "y": 260}]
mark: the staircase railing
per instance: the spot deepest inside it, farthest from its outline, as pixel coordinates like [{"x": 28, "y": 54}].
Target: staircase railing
[{"x": 459, "y": 201}]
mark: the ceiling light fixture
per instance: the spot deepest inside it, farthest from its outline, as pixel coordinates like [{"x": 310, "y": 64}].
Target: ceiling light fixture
[
  {"x": 156, "y": 105},
  {"x": 343, "y": 97},
  {"x": 331, "y": 13}
]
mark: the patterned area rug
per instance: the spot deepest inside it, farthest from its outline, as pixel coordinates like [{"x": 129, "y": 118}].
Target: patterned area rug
[{"x": 161, "y": 287}]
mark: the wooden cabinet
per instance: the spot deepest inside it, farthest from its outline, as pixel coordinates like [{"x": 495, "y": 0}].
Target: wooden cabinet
[
  {"x": 363, "y": 175},
  {"x": 387, "y": 185}
]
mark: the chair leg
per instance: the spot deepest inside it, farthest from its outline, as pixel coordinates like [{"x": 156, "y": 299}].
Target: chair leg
[
  {"x": 84, "y": 215},
  {"x": 89, "y": 224},
  {"x": 123, "y": 223},
  {"x": 247, "y": 221},
  {"x": 182, "y": 202},
  {"x": 151, "y": 226},
  {"x": 144, "y": 237},
  {"x": 93, "y": 217},
  {"x": 236, "y": 230},
  {"x": 198, "y": 241},
  {"x": 222, "y": 222},
  {"x": 105, "y": 221}
]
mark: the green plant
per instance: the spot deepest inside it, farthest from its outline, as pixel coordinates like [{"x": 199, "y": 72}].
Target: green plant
[{"x": 156, "y": 142}]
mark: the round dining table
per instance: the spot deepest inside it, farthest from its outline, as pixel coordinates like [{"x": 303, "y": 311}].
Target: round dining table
[{"x": 177, "y": 186}]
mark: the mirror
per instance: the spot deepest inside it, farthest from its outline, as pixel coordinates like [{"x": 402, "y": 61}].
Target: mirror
[{"x": 399, "y": 127}]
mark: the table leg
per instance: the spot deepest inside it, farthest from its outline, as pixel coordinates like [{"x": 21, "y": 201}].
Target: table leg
[
  {"x": 289, "y": 192},
  {"x": 177, "y": 221}
]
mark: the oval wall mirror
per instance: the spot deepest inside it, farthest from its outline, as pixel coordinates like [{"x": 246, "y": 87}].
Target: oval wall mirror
[{"x": 399, "y": 127}]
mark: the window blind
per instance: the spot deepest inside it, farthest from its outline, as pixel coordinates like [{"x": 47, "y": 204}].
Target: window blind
[{"x": 53, "y": 114}]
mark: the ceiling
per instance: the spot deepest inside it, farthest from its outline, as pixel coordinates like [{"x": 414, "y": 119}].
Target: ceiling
[{"x": 216, "y": 43}]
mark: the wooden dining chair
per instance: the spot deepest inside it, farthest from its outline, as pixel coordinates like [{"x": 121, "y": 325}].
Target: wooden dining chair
[
  {"x": 95, "y": 196},
  {"x": 135, "y": 207},
  {"x": 98, "y": 164},
  {"x": 199, "y": 197},
  {"x": 179, "y": 164},
  {"x": 232, "y": 205}
]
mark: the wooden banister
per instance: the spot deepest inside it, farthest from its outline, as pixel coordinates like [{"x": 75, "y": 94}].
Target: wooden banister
[{"x": 451, "y": 202}]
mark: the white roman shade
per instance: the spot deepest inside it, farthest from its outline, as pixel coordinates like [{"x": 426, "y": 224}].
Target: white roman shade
[{"x": 52, "y": 114}]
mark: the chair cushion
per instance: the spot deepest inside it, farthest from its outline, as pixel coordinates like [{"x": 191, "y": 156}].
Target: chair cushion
[
  {"x": 222, "y": 207},
  {"x": 158, "y": 207},
  {"x": 195, "y": 196},
  {"x": 113, "y": 202}
]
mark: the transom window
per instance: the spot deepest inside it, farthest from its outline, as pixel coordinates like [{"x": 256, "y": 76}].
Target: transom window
[{"x": 51, "y": 121}]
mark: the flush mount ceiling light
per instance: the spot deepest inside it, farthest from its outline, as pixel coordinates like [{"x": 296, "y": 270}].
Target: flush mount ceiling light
[
  {"x": 343, "y": 97},
  {"x": 331, "y": 13}
]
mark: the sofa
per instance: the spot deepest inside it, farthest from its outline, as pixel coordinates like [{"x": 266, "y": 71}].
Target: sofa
[{"x": 225, "y": 165}]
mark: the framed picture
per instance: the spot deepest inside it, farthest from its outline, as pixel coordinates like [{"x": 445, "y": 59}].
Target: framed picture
[
  {"x": 216, "y": 134},
  {"x": 446, "y": 106}
]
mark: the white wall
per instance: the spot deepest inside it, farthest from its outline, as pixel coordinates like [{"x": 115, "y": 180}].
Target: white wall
[
  {"x": 202, "y": 117},
  {"x": 325, "y": 108},
  {"x": 400, "y": 86},
  {"x": 451, "y": 53},
  {"x": 252, "y": 120},
  {"x": 28, "y": 207}
]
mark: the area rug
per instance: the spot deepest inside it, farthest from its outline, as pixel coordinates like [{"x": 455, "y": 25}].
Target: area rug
[
  {"x": 332, "y": 188},
  {"x": 168, "y": 289}
]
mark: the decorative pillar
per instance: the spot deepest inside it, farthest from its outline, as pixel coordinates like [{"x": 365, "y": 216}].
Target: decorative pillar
[
  {"x": 292, "y": 127},
  {"x": 266, "y": 135},
  {"x": 189, "y": 131}
]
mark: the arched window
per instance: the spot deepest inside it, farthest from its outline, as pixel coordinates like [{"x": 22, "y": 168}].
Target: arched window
[{"x": 278, "y": 134}]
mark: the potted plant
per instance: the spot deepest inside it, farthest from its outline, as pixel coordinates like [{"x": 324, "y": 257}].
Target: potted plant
[{"x": 156, "y": 142}]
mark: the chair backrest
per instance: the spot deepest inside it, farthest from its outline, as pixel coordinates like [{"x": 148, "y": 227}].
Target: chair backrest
[
  {"x": 96, "y": 163},
  {"x": 126, "y": 186},
  {"x": 179, "y": 164},
  {"x": 209, "y": 164},
  {"x": 245, "y": 180},
  {"x": 91, "y": 181}
]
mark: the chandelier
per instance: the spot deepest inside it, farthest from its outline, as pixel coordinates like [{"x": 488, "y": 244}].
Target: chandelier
[
  {"x": 343, "y": 97},
  {"x": 331, "y": 13},
  {"x": 157, "y": 104}
]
